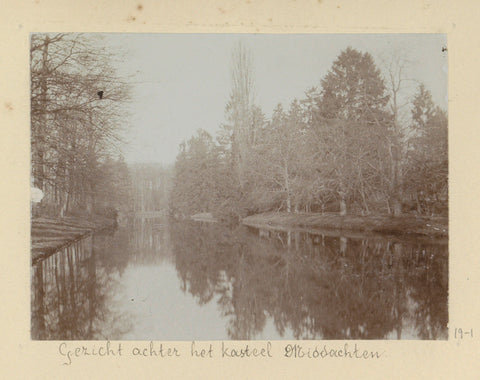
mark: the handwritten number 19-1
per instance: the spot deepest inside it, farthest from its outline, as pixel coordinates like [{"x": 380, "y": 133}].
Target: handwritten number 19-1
[{"x": 461, "y": 333}]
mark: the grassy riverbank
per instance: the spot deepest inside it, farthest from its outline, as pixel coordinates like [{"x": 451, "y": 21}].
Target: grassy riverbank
[
  {"x": 48, "y": 235},
  {"x": 406, "y": 225}
]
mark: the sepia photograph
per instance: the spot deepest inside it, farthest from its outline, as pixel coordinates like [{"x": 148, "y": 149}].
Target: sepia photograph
[{"x": 194, "y": 187}]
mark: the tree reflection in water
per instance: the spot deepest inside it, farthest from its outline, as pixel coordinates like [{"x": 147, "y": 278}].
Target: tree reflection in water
[
  {"x": 310, "y": 286},
  {"x": 317, "y": 286},
  {"x": 74, "y": 291},
  {"x": 70, "y": 289}
]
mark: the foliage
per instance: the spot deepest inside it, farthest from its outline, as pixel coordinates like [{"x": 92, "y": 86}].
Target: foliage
[
  {"x": 343, "y": 148},
  {"x": 151, "y": 187},
  {"x": 427, "y": 166},
  {"x": 75, "y": 131},
  {"x": 351, "y": 125}
]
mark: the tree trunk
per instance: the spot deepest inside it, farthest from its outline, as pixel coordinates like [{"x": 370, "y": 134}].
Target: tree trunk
[
  {"x": 397, "y": 203},
  {"x": 38, "y": 168},
  {"x": 343, "y": 245},
  {"x": 343, "y": 205},
  {"x": 65, "y": 205},
  {"x": 287, "y": 188},
  {"x": 419, "y": 207},
  {"x": 397, "y": 207}
]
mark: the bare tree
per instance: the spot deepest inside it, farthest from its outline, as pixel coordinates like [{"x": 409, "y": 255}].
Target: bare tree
[
  {"x": 73, "y": 127},
  {"x": 395, "y": 68},
  {"x": 239, "y": 108}
]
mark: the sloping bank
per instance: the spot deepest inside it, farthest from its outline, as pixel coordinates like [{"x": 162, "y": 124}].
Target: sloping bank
[
  {"x": 402, "y": 226},
  {"x": 49, "y": 235}
]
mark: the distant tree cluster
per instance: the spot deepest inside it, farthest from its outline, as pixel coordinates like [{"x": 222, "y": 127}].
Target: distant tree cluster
[
  {"x": 343, "y": 148},
  {"x": 151, "y": 185},
  {"x": 77, "y": 112}
]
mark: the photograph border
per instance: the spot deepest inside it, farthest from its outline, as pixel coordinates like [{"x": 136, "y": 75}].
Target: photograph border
[{"x": 402, "y": 359}]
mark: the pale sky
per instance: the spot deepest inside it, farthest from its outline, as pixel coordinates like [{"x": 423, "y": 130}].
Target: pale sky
[{"x": 182, "y": 81}]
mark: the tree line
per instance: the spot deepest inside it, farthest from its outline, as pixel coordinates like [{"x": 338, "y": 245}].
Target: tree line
[
  {"x": 151, "y": 185},
  {"x": 77, "y": 116},
  {"x": 351, "y": 145}
]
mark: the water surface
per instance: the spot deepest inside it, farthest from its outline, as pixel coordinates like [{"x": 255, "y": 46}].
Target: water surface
[{"x": 156, "y": 280}]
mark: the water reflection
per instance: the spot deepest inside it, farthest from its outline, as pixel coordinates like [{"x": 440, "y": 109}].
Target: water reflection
[
  {"x": 239, "y": 283},
  {"x": 75, "y": 291},
  {"x": 70, "y": 289},
  {"x": 315, "y": 286}
]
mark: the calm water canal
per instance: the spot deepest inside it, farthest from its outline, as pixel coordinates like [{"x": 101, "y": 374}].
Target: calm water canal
[{"x": 200, "y": 281}]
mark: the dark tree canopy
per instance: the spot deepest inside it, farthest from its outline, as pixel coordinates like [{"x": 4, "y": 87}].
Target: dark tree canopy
[{"x": 353, "y": 89}]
